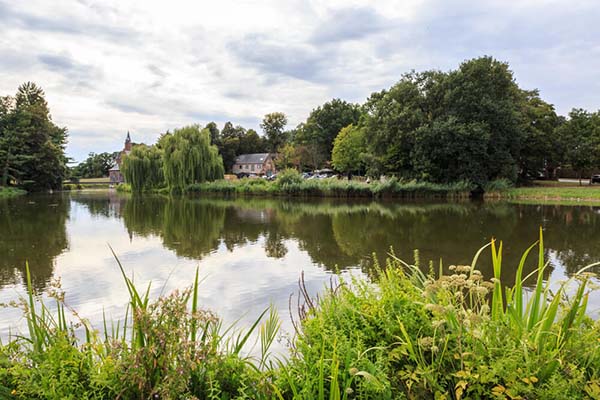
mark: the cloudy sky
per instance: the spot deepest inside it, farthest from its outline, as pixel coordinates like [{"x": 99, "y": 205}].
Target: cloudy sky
[{"x": 148, "y": 66}]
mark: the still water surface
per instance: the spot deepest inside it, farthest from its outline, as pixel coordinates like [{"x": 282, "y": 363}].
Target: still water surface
[{"x": 251, "y": 252}]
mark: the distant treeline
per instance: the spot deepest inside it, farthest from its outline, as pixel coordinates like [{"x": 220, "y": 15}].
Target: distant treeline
[{"x": 471, "y": 124}]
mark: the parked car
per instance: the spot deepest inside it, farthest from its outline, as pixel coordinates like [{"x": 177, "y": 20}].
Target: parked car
[{"x": 595, "y": 178}]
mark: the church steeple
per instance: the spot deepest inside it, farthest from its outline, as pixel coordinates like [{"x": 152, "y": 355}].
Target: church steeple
[{"x": 128, "y": 142}]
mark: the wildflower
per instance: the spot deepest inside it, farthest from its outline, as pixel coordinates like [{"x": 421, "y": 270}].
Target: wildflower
[
  {"x": 426, "y": 342},
  {"x": 463, "y": 268},
  {"x": 437, "y": 323}
]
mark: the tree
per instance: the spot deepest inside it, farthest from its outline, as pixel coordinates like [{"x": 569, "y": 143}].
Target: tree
[
  {"x": 348, "y": 147},
  {"x": 542, "y": 148},
  {"x": 143, "y": 168},
  {"x": 581, "y": 136},
  {"x": 325, "y": 122},
  {"x": 251, "y": 143},
  {"x": 483, "y": 90},
  {"x": 392, "y": 118},
  {"x": 449, "y": 151},
  {"x": 273, "y": 126},
  {"x": 32, "y": 147},
  {"x": 95, "y": 166},
  {"x": 479, "y": 98},
  {"x": 189, "y": 158}
]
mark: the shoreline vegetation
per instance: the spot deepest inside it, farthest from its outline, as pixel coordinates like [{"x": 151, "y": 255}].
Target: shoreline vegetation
[
  {"x": 7, "y": 192},
  {"x": 406, "y": 334},
  {"x": 541, "y": 191}
]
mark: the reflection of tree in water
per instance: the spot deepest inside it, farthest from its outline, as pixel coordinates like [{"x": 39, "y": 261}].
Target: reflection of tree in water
[
  {"x": 98, "y": 204},
  {"x": 274, "y": 246},
  {"x": 32, "y": 229},
  {"x": 345, "y": 234},
  {"x": 190, "y": 228},
  {"x": 573, "y": 233}
]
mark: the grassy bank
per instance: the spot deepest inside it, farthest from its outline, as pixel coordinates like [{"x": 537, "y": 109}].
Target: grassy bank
[
  {"x": 6, "y": 192},
  {"x": 406, "y": 335},
  {"x": 556, "y": 193},
  {"x": 331, "y": 188}
]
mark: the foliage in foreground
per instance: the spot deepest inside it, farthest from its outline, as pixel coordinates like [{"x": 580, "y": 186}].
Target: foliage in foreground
[
  {"x": 457, "y": 336},
  {"x": 407, "y": 335}
]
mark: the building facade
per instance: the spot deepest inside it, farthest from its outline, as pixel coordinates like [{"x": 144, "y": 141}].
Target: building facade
[
  {"x": 254, "y": 164},
  {"x": 114, "y": 174}
]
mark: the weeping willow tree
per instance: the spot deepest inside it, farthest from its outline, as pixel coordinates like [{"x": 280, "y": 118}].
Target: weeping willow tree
[
  {"x": 188, "y": 157},
  {"x": 143, "y": 168}
]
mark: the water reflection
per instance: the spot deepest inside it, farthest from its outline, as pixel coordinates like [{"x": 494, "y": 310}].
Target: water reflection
[
  {"x": 32, "y": 231},
  {"x": 334, "y": 234}
]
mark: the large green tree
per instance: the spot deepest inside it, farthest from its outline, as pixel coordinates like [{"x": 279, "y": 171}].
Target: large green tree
[
  {"x": 273, "y": 125},
  {"x": 189, "y": 158},
  {"x": 581, "y": 137},
  {"x": 143, "y": 168},
  {"x": 543, "y": 151},
  {"x": 451, "y": 151},
  {"x": 409, "y": 125},
  {"x": 32, "y": 147},
  {"x": 324, "y": 124},
  {"x": 348, "y": 149}
]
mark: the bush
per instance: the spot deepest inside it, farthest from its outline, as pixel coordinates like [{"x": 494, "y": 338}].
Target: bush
[
  {"x": 412, "y": 335},
  {"x": 289, "y": 177}
]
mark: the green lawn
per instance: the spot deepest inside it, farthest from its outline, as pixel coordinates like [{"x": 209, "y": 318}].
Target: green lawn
[
  {"x": 569, "y": 193},
  {"x": 94, "y": 180}
]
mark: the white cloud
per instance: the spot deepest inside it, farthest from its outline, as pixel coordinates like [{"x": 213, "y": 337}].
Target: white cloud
[{"x": 151, "y": 66}]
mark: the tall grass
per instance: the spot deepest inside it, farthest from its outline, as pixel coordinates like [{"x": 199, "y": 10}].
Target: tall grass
[
  {"x": 444, "y": 334},
  {"x": 333, "y": 187}
]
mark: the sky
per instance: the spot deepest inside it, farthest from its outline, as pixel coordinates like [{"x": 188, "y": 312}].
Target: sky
[{"x": 149, "y": 66}]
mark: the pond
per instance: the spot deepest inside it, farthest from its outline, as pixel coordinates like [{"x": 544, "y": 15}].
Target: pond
[{"x": 252, "y": 252}]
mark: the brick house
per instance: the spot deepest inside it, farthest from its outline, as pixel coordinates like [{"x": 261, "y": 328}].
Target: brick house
[{"x": 254, "y": 164}]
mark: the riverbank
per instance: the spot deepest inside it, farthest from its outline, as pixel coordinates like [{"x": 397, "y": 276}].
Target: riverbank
[
  {"x": 554, "y": 193},
  {"x": 332, "y": 187},
  {"x": 403, "y": 335},
  {"x": 6, "y": 192}
]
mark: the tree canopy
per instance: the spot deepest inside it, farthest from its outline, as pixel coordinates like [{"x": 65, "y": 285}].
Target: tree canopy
[
  {"x": 143, "y": 168},
  {"x": 273, "y": 126},
  {"x": 189, "y": 157},
  {"x": 95, "y": 166},
  {"x": 32, "y": 147},
  {"x": 348, "y": 149}
]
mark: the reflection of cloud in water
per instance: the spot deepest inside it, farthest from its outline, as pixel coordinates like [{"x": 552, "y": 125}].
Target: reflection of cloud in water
[
  {"x": 237, "y": 284},
  {"x": 251, "y": 252}
]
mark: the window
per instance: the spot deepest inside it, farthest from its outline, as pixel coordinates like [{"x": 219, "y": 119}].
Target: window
[{"x": 252, "y": 167}]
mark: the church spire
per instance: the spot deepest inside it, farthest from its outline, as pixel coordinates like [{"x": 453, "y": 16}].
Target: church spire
[{"x": 128, "y": 144}]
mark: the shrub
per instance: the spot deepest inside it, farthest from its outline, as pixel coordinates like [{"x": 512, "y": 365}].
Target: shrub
[
  {"x": 289, "y": 177},
  {"x": 412, "y": 335}
]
